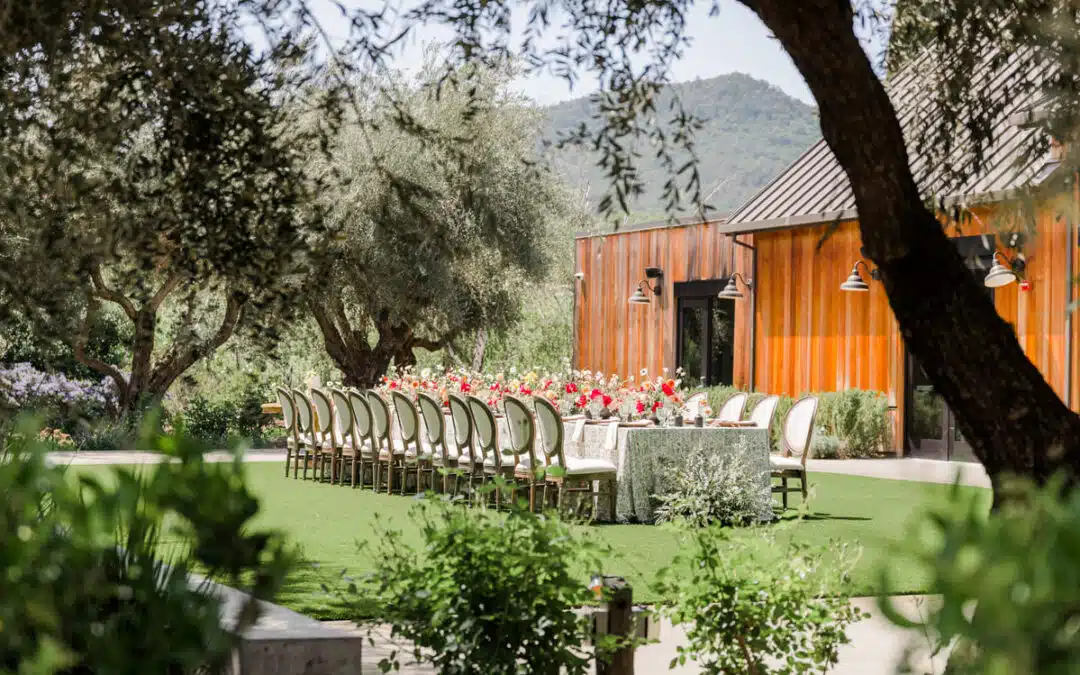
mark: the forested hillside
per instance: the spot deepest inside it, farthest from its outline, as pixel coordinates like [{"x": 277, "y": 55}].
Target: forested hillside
[{"x": 752, "y": 131}]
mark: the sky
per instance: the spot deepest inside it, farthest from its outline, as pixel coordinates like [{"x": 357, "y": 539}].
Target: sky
[{"x": 733, "y": 41}]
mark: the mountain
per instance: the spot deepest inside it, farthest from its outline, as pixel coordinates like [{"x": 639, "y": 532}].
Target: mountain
[{"x": 752, "y": 130}]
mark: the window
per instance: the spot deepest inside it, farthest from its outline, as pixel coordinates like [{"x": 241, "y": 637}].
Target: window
[{"x": 705, "y": 346}]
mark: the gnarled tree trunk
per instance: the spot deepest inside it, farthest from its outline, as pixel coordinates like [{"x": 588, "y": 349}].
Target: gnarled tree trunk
[{"x": 1013, "y": 419}]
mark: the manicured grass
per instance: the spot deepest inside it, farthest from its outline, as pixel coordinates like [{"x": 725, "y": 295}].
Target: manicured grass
[{"x": 329, "y": 523}]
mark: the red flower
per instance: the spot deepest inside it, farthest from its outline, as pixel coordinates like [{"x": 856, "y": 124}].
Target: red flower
[
  {"x": 582, "y": 401},
  {"x": 494, "y": 386},
  {"x": 607, "y": 400},
  {"x": 641, "y": 406},
  {"x": 596, "y": 393},
  {"x": 571, "y": 388},
  {"x": 668, "y": 388},
  {"x": 393, "y": 385},
  {"x": 547, "y": 383},
  {"x": 524, "y": 389},
  {"x": 466, "y": 387},
  {"x": 655, "y": 406}
]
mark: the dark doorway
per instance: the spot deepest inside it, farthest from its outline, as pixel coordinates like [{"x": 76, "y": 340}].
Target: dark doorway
[
  {"x": 931, "y": 430},
  {"x": 705, "y": 340}
]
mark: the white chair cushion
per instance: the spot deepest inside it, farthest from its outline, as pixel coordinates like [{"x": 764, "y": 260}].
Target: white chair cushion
[
  {"x": 779, "y": 463},
  {"x": 582, "y": 465},
  {"x": 305, "y": 439}
]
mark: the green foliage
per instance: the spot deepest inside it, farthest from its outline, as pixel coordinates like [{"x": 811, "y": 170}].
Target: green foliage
[
  {"x": 859, "y": 418},
  {"x": 708, "y": 487},
  {"x": 91, "y": 584},
  {"x": 21, "y": 343},
  {"x": 487, "y": 593},
  {"x": 1009, "y": 581},
  {"x": 750, "y": 132},
  {"x": 927, "y": 409},
  {"x": 746, "y": 617},
  {"x": 418, "y": 270},
  {"x": 825, "y": 446},
  {"x": 217, "y": 421}
]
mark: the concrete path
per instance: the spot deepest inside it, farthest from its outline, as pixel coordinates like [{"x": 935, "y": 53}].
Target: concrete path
[
  {"x": 140, "y": 457},
  {"x": 877, "y": 647},
  {"x": 906, "y": 468}
]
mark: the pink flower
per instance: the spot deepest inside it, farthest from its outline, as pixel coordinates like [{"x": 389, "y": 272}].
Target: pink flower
[
  {"x": 641, "y": 406},
  {"x": 596, "y": 393},
  {"x": 571, "y": 388}
]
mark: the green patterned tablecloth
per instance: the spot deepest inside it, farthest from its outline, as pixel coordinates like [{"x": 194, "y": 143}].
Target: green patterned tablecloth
[{"x": 643, "y": 454}]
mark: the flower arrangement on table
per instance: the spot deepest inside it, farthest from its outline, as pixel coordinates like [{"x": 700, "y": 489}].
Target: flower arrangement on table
[{"x": 573, "y": 392}]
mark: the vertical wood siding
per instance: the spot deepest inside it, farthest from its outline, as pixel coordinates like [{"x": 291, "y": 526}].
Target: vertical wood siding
[
  {"x": 811, "y": 336},
  {"x": 616, "y": 337}
]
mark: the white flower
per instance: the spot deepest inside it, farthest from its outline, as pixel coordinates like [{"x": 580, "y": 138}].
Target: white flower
[{"x": 644, "y": 372}]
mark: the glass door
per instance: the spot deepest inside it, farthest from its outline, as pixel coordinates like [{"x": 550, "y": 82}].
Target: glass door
[{"x": 705, "y": 344}]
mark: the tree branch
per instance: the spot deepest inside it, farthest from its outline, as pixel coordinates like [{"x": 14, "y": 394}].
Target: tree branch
[
  {"x": 79, "y": 348},
  {"x": 166, "y": 289},
  {"x": 102, "y": 291},
  {"x": 179, "y": 359}
]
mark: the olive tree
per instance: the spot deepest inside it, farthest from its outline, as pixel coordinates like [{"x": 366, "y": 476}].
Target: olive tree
[
  {"x": 157, "y": 169},
  {"x": 440, "y": 223}
]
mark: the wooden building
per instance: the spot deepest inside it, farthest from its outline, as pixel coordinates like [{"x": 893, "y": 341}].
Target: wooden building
[{"x": 794, "y": 330}]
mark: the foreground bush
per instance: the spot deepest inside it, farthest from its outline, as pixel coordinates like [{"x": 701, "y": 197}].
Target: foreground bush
[
  {"x": 1009, "y": 581},
  {"x": 486, "y": 595},
  {"x": 747, "y": 615},
  {"x": 89, "y": 584}
]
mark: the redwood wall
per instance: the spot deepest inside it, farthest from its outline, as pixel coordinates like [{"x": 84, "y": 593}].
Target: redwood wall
[
  {"x": 811, "y": 336},
  {"x": 614, "y": 336}
]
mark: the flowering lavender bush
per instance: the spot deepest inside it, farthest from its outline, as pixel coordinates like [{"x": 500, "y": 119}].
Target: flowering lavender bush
[{"x": 62, "y": 400}]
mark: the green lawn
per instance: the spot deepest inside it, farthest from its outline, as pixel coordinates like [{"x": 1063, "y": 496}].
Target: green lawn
[{"x": 327, "y": 522}]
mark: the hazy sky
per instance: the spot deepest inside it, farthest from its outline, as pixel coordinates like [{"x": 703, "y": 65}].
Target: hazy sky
[{"x": 733, "y": 41}]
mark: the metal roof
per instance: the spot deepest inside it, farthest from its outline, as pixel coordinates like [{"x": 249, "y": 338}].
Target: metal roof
[{"x": 815, "y": 189}]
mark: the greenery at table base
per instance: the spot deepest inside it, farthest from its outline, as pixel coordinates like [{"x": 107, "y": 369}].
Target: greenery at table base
[{"x": 708, "y": 487}]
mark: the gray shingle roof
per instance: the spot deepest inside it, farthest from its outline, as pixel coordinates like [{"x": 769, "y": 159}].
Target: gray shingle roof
[{"x": 815, "y": 189}]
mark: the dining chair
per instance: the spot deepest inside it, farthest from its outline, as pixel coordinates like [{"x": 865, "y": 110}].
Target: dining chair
[
  {"x": 522, "y": 427},
  {"x": 328, "y": 450},
  {"x": 366, "y": 451},
  {"x": 418, "y": 461},
  {"x": 795, "y": 447},
  {"x": 292, "y": 440},
  {"x": 581, "y": 470},
  {"x": 764, "y": 412},
  {"x": 469, "y": 463},
  {"x": 486, "y": 443},
  {"x": 387, "y": 458},
  {"x": 343, "y": 436},
  {"x": 733, "y": 408},
  {"x": 435, "y": 428},
  {"x": 694, "y": 403},
  {"x": 305, "y": 422}
]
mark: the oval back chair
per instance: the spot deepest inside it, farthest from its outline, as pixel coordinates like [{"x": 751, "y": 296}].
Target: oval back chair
[
  {"x": 292, "y": 441},
  {"x": 431, "y": 413},
  {"x": 364, "y": 447},
  {"x": 342, "y": 433},
  {"x": 326, "y": 447},
  {"x": 732, "y": 410},
  {"x": 305, "y": 421},
  {"x": 795, "y": 447},
  {"x": 764, "y": 412}
]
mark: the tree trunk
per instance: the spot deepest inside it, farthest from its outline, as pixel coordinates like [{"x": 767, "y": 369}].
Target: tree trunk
[
  {"x": 1005, "y": 408},
  {"x": 478, "y": 350}
]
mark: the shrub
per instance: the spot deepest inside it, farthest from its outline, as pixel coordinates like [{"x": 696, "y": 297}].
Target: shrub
[
  {"x": 825, "y": 446},
  {"x": 487, "y": 594},
  {"x": 1014, "y": 568},
  {"x": 708, "y": 487},
  {"x": 858, "y": 417},
  {"x": 62, "y": 402},
  {"x": 208, "y": 421},
  {"x": 85, "y": 588},
  {"x": 746, "y": 615}
]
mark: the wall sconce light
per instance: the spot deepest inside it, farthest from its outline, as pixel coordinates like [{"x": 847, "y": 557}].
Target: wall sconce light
[
  {"x": 1002, "y": 275},
  {"x": 639, "y": 296},
  {"x": 855, "y": 281},
  {"x": 731, "y": 290}
]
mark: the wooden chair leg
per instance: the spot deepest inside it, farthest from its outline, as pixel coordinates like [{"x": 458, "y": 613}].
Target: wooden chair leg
[
  {"x": 613, "y": 496},
  {"x": 305, "y": 462},
  {"x": 783, "y": 482},
  {"x": 802, "y": 484},
  {"x": 288, "y": 456}
]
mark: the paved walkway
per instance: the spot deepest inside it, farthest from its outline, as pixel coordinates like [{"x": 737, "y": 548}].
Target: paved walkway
[
  {"x": 905, "y": 468},
  {"x": 877, "y": 647},
  {"x": 924, "y": 470}
]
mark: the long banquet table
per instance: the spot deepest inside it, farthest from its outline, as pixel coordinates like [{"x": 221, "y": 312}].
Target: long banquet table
[{"x": 642, "y": 455}]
